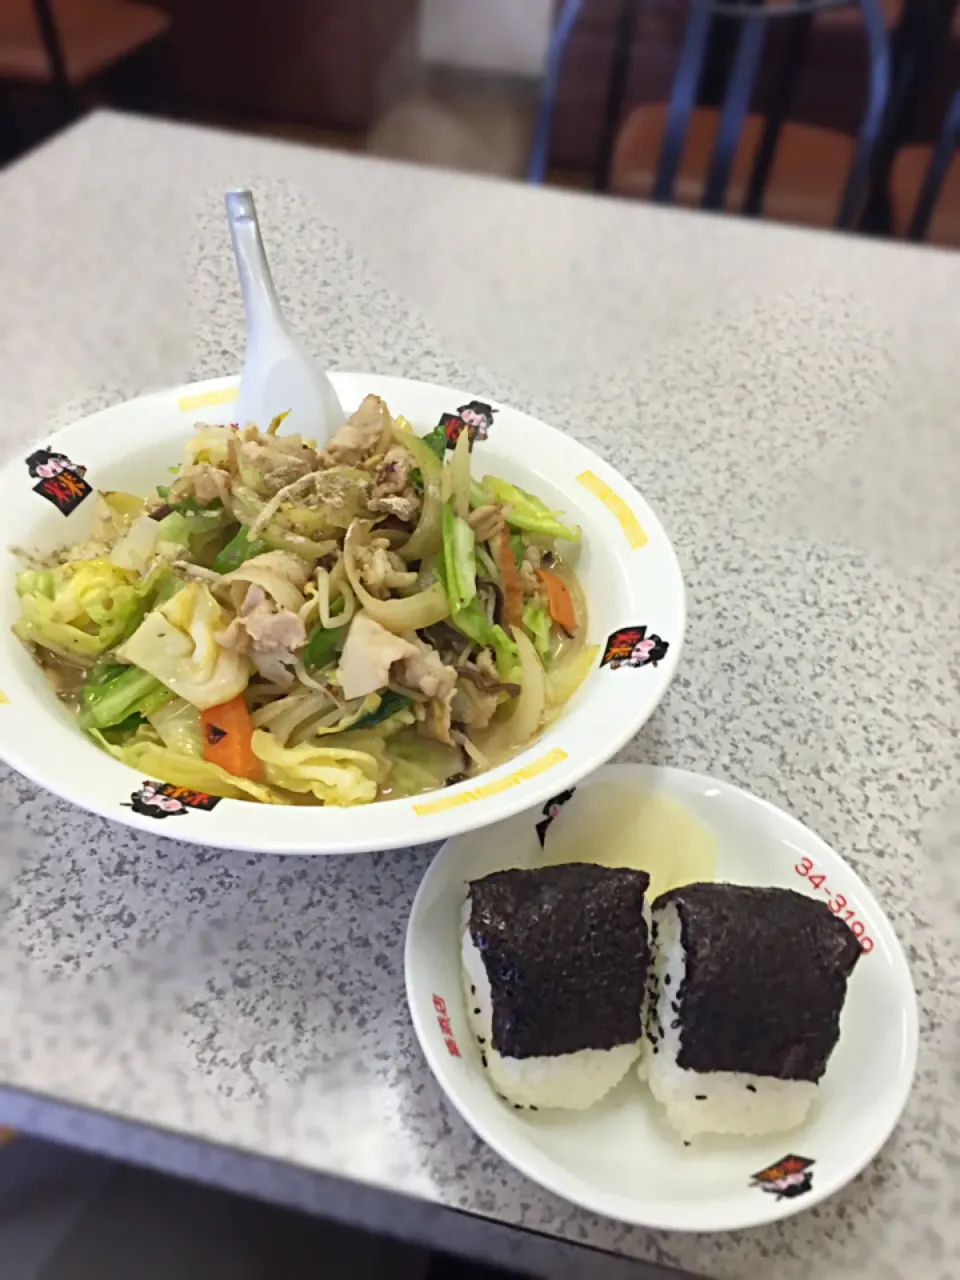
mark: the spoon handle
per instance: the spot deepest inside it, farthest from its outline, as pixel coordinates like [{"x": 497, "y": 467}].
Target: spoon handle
[
  {"x": 259, "y": 293},
  {"x": 279, "y": 374}
]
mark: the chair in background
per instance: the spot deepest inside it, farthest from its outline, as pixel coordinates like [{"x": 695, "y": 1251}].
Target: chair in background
[
  {"x": 61, "y": 46},
  {"x": 727, "y": 157},
  {"x": 925, "y": 186},
  {"x": 924, "y": 66}
]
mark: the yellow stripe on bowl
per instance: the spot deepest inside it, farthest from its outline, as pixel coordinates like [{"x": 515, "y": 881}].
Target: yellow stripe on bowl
[
  {"x": 204, "y": 399},
  {"x": 494, "y": 787},
  {"x": 3, "y": 697},
  {"x": 628, "y": 522}
]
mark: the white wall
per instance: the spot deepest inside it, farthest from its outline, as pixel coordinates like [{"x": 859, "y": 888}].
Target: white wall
[{"x": 490, "y": 35}]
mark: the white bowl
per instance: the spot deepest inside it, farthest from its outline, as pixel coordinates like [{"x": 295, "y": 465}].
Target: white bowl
[
  {"x": 620, "y": 1157},
  {"x": 625, "y": 561}
]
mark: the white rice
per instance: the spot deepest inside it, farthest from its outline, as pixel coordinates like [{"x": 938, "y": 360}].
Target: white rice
[
  {"x": 573, "y": 1081},
  {"x": 707, "y": 1101}
]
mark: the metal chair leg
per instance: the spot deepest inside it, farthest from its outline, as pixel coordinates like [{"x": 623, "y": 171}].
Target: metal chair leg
[
  {"x": 682, "y": 99},
  {"x": 62, "y": 89},
  {"x": 933, "y": 181},
  {"x": 736, "y": 102},
  {"x": 540, "y": 146},
  {"x": 616, "y": 87},
  {"x": 798, "y": 38},
  {"x": 11, "y": 143},
  {"x": 856, "y": 189}
]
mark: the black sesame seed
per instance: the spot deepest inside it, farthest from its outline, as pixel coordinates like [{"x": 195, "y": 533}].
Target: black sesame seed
[
  {"x": 477, "y": 1012},
  {"x": 666, "y": 979},
  {"x": 674, "y": 1024},
  {"x": 480, "y": 1040},
  {"x": 700, "y": 1097},
  {"x": 483, "y": 1059},
  {"x": 687, "y": 1144},
  {"x": 533, "y": 1108},
  {"x": 473, "y": 991},
  {"x": 517, "y": 1106},
  {"x": 751, "y": 1088}
]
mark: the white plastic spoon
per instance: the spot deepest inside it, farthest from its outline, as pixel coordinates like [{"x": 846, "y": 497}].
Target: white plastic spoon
[{"x": 278, "y": 374}]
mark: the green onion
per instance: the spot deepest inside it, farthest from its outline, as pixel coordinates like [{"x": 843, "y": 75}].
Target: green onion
[
  {"x": 436, "y": 441},
  {"x": 113, "y": 692},
  {"x": 390, "y": 704},
  {"x": 459, "y": 559},
  {"x": 239, "y": 549},
  {"x": 321, "y": 646}
]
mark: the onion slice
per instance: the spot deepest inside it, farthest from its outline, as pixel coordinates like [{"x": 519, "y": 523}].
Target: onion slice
[
  {"x": 275, "y": 572},
  {"x": 410, "y": 613},
  {"x": 528, "y": 712},
  {"x": 425, "y": 539},
  {"x": 460, "y": 476}
]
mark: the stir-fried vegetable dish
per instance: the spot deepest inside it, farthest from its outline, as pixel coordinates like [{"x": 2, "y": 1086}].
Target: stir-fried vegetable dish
[{"x": 298, "y": 625}]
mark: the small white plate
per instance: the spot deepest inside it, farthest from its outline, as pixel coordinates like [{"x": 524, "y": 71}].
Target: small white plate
[{"x": 620, "y": 1158}]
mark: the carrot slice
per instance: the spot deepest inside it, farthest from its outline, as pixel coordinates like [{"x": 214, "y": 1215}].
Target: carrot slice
[
  {"x": 559, "y": 601},
  {"x": 227, "y": 733},
  {"x": 510, "y": 581}
]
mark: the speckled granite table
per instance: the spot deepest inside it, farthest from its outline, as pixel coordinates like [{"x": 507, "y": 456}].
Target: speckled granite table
[{"x": 788, "y": 401}]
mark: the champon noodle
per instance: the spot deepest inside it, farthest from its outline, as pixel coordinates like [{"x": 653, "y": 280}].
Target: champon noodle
[{"x": 299, "y": 626}]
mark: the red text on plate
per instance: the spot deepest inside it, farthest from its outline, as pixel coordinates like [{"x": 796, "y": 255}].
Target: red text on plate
[
  {"x": 443, "y": 1022},
  {"x": 837, "y": 903}
]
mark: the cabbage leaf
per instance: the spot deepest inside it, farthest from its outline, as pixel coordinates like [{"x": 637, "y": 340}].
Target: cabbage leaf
[
  {"x": 536, "y": 619},
  {"x": 334, "y": 775},
  {"x": 178, "y": 724},
  {"x": 80, "y": 609},
  {"x": 180, "y": 526},
  {"x": 524, "y": 510},
  {"x": 113, "y": 513},
  {"x": 137, "y": 545},
  {"x": 176, "y": 643},
  {"x": 153, "y": 761}
]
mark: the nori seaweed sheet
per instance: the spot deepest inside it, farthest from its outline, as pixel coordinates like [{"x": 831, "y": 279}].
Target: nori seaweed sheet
[
  {"x": 566, "y": 952},
  {"x": 766, "y": 978}
]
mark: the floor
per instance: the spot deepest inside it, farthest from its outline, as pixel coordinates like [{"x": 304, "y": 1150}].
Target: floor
[{"x": 69, "y": 1216}]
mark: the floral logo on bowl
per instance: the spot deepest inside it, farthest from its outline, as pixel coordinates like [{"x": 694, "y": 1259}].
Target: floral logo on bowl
[
  {"x": 550, "y": 811},
  {"x": 787, "y": 1179},
  {"x": 476, "y": 418},
  {"x": 164, "y": 800},
  {"x": 59, "y": 479},
  {"x": 632, "y": 647}
]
